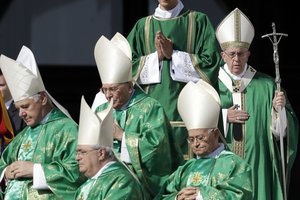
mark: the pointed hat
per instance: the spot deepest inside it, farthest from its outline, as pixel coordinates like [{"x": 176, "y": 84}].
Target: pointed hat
[
  {"x": 95, "y": 128},
  {"x": 236, "y": 30},
  {"x": 113, "y": 59},
  {"x": 199, "y": 105},
  {"x": 23, "y": 77}
]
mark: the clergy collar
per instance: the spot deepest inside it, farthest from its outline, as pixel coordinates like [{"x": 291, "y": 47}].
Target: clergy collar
[
  {"x": 236, "y": 77},
  {"x": 215, "y": 153},
  {"x": 167, "y": 14},
  {"x": 124, "y": 107},
  {"x": 7, "y": 103},
  {"x": 102, "y": 169},
  {"x": 46, "y": 117}
]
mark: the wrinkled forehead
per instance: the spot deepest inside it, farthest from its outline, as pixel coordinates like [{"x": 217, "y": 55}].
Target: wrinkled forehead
[
  {"x": 27, "y": 100},
  {"x": 81, "y": 147},
  {"x": 110, "y": 85},
  {"x": 198, "y": 131},
  {"x": 236, "y": 49}
]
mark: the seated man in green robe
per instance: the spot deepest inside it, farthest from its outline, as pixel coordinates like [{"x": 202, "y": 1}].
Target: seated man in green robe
[
  {"x": 215, "y": 173},
  {"x": 40, "y": 162},
  {"x": 142, "y": 132},
  {"x": 108, "y": 178}
]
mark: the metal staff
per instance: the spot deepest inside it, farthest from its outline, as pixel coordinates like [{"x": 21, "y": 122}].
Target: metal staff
[{"x": 278, "y": 81}]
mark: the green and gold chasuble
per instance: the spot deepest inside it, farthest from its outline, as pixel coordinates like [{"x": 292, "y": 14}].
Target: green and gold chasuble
[
  {"x": 53, "y": 145},
  {"x": 191, "y": 32},
  {"x": 258, "y": 146},
  {"x": 115, "y": 182},
  {"x": 225, "y": 176},
  {"x": 149, "y": 140}
]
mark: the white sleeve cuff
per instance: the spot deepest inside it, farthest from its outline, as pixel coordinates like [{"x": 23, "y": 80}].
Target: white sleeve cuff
[
  {"x": 199, "y": 196},
  {"x": 151, "y": 72},
  {"x": 278, "y": 123},
  {"x": 182, "y": 68},
  {"x": 39, "y": 180}
]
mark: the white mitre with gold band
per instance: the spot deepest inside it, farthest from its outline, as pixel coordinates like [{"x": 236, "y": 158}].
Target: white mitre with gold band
[
  {"x": 236, "y": 30},
  {"x": 113, "y": 59},
  {"x": 23, "y": 77},
  {"x": 95, "y": 128},
  {"x": 199, "y": 105}
]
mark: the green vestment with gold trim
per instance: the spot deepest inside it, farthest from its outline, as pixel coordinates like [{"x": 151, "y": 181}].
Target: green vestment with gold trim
[
  {"x": 224, "y": 177},
  {"x": 190, "y": 32},
  {"x": 259, "y": 147},
  {"x": 115, "y": 182},
  {"x": 55, "y": 149},
  {"x": 149, "y": 140}
]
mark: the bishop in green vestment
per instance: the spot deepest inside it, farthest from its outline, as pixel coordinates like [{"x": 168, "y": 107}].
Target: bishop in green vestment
[
  {"x": 170, "y": 48},
  {"x": 40, "y": 161},
  {"x": 142, "y": 133},
  {"x": 108, "y": 178},
  {"x": 215, "y": 173},
  {"x": 252, "y": 119}
]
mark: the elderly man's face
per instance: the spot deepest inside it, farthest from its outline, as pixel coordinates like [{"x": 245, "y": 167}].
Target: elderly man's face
[
  {"x": 235, "y": 58},
  {"x": 88, "y": 160},
  {"x": 120, "y": 93},
  {"x": 203, "y": 141},
  {"x": 30, "y": 109}
]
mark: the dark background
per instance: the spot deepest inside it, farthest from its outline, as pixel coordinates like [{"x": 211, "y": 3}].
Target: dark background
[{"x": 68, "y": 83}]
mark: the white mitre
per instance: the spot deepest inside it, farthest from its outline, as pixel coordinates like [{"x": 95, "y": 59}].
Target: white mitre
[
  {"x": 113, "y": 59},
  {"x": 23, "y": 77},
  {"x": 95, "y": 128},
  {"x": 199, "y": 105},
  {"x": 236, "y": 30}
]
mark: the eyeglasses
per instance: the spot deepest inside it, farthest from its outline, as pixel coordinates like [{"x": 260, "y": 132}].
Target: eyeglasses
[
  {"x": 234, "y": 54},
  {"x": 84, "y": 153},
  {"x": 199, "y": 138},
  {"x": 110, "y": 90}
]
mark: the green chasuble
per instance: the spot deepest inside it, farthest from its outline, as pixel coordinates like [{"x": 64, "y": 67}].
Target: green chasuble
[
  {"x": 149, "y": 140},
  {"x": 225, "y": 176},
  {"x": 191, "y": 32},
  {"x": 258, "y": 146},
  {"x": 53, "y": 145},
  {"x": 115, "y": 182}
]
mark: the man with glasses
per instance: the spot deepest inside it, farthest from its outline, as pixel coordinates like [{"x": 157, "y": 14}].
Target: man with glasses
[
  {"x": 40, "y": 162},
  {"x": 108, "y": 178},
  {"x": 253, "y": 110},
  {"x": 214, "y": 173},
  {"x": 142, "y": 134}
]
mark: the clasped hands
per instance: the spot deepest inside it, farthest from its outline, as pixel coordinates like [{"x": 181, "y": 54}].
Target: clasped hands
[
  {"x": 19, "y": 169},
  {"x": 188, "y": 193},
  {"x": 164, "y": 46}
]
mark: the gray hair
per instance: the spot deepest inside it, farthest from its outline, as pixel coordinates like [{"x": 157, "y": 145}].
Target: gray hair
[{"x": 109, "y": 153}]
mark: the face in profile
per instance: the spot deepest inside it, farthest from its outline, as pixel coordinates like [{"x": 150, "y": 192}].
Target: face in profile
[
  {"x": 87, "y": 159},
  {"x": 120, "y": 93},
  {"x": 30, "y": 109}
]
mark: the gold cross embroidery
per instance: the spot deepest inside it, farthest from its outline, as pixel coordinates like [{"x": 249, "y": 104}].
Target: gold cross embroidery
[
  {"x": 197, "y": 178},
  {"x": 27, "y": 146},
  {"x": 236, "y": 85}
]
